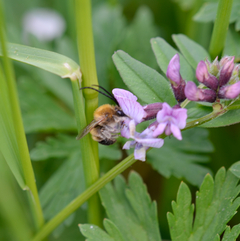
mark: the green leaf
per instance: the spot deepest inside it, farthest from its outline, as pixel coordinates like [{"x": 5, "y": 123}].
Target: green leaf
[
  {"x": 181, "y": 158},
  {"x": 235, "y": 169},
  {"x": 136, "y": 39},
  {"x": 231, "y": 235},
  {"x": 40, "y": 111},
  {"x": 130, "y": 210},
  {"x": 182, "y": 216},
  {"x": 231, "y": 47},
  {"x": 55, "y": 63},
  {"x": 63, "y": 186},
  {"x": 192, "y": 51},
  {"x": 8, "y": 144},
  {"x": 106, "y": 38},
  {"x": 54, "y": 147},
  {"x": 216, "y": 203},
  {"x": 112, "y": 229},
  {"x": 93, "y": 233},
  {"x": 207, "y": 13},
  {"x": 145, "y": 82},
  {"x": 164, "y": 52}
]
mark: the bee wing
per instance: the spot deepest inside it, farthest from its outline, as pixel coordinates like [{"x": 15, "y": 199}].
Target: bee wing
[{"x": 88, "y": 128}]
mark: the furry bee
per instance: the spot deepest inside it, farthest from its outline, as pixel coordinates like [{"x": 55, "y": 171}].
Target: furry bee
[{"x": 107, "y": 123}]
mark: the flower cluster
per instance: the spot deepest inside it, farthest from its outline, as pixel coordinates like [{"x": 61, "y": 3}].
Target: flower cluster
[
  {"x": 220, "y": 79},
  {"x": 168, "y": 120}
]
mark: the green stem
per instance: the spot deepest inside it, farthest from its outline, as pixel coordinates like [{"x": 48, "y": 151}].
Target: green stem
[
  {"x": 20, "y": 133},
  {"x": 77, "y": 202},
  {"x": 220, "y": 27},
  {"x": 87, "y": 60},
  {"x": 89, "y": 165},
  {"x": 89, "y": 76}
]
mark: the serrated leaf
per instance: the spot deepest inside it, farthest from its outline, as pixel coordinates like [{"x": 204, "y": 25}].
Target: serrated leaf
[
  {"x": 63, "y": 145},
  {"x": 181, "y": 158},
  {"x": 216, "y": 203},
  {"x": 207, "y": 13},
  {"x": 231, "y": 47},
  {"x": 192, "y": 51},
  {"x": 54, "y": 147},
  {"x": 53, "y": 62},
  {"x": 93, "y": 233},
  {"x": 164, "y": 52},
  {"x": 130, "y": 209},
  {"x": 180, "y": 222},
  {"x": 235, "y": 169},
  {"x": 112, "y": 229},
  {"x": 231, "y": 234},
  {"x": 63, "y": 186},
  {"x": 40, "y": 111},
  {"x": 145, "y": 82}
]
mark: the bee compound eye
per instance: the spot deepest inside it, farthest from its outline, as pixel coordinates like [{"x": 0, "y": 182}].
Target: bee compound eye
[{"x": 120, "y": 113}]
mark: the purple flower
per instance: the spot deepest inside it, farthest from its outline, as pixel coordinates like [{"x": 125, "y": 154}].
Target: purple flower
[
  {"x": 195, "y": 94},
  {"x": 215, "y": 76},
  {"x": 229, "y": 91},
  {"x": 177, "y": 83},
  {"x": 205, "y": 77},
  {"x": 170, "y": 121},
  {"x": 142, "y": 141},
  {"x": 173, "y": 70},
  {"x": 135, "y": 112},
  {"x": 226, "y": 71},
  {"x": 130, "y": 107}
]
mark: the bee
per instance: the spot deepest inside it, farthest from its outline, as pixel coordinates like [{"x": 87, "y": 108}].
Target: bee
[{"x": 107, "y": 123}]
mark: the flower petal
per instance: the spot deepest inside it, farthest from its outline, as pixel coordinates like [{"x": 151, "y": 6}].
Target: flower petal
[
  {"x": 140, "y": 153},
  {"x": 181, "y": 117},
  {"x": 176, "y": 132},
  {"x": 129, "y": 144},
  {"x": 151, "y": 142},
  {"x": 160, "y": 129},
  {"x": 128, "y": 103}
]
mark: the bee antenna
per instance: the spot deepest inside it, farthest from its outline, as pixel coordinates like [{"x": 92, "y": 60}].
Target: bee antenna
[{"x": 109, "y": 95}]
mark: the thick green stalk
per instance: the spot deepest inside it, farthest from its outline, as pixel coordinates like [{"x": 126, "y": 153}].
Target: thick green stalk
[
  {"x": 220, "y": 27},
  {"x": 19, "y": 132},
  {"x": 77, "y": 202},
  {"x": 89, "y": 165},
  {"x": 87, "y": 60},
  {"x": 89, "y": 77}
]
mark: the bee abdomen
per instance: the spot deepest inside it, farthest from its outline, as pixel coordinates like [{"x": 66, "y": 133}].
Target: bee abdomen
[{"x": 107, "y": 142}]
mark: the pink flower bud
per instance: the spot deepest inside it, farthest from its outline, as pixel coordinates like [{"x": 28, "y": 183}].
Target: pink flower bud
[
  {"x": 205, "y": 77},
  {"x": 173, "y": 70},
  {"x": 226, "y": 71},
  {"x": 229, "y": 91},
  {"x": 195, "y": 94}
]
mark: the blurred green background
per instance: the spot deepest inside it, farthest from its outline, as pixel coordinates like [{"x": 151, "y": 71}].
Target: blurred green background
[{"x": 46, "y": 99}]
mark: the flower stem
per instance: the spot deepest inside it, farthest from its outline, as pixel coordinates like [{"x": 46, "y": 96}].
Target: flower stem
[
  {"x": 89, "y": 165},
  {"x": 77, "y": 202},
  {"x": 19, "y": 132},
  {"x": 89, "y": 75},
  {"x": 220, "y": 27}
]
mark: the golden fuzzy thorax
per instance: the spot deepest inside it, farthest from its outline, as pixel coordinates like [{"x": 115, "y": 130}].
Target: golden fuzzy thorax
[{"x": 106, "y": 111}]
